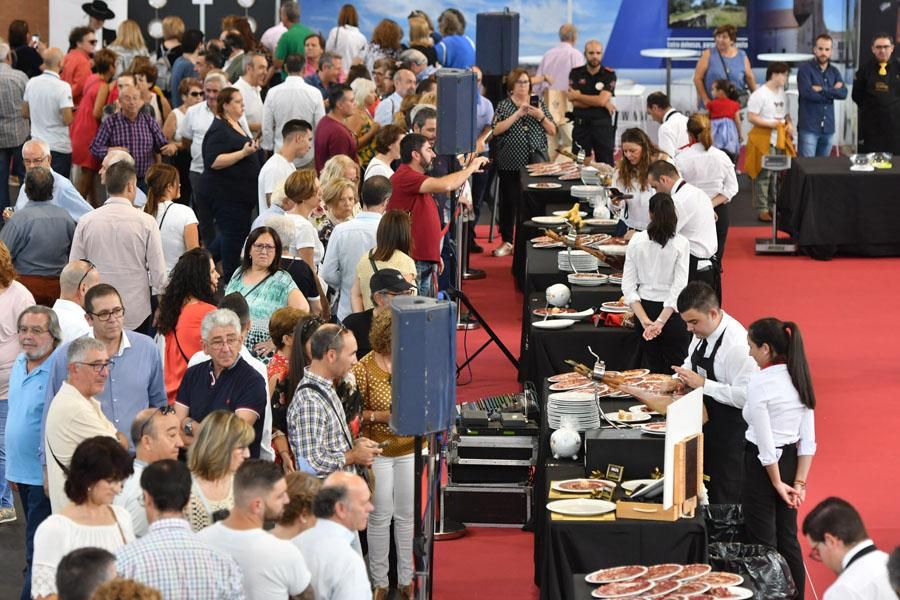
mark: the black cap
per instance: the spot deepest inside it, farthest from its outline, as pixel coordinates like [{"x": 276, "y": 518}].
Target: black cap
[
  {"x": 99, "y": 10},
  {"x": 389, "y": 280}
]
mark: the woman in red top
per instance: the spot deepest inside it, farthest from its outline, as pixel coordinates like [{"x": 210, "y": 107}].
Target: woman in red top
[
  {"x": 87, "y": 121},
  {"x": 187, "y": 299}
]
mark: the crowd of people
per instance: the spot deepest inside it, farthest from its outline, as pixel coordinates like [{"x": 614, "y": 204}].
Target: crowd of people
[{"x": 195, "y": 282}]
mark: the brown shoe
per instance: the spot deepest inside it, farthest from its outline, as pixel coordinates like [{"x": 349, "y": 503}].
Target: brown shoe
[
  {"x": 407, "y": 592},
  {"x": 765, "y": 216},
  {"x": 380, "y": 594}
]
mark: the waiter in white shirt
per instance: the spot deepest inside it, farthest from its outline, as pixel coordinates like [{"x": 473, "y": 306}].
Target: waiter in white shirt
[
  {"x": 781, "y": 440},
  {"x": 719, "y": 363},
  {"x": 838, "y": 538},
  {"x": 696, "y": 221},
  {"x": 673, "y": 136}
]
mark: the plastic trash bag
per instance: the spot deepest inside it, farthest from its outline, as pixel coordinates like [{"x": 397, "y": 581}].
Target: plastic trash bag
[
  {"x": 725, "y": 523},
  {"x": 764, "y": 570}
]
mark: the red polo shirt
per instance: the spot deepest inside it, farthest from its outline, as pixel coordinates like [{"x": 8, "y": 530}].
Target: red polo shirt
[
  {"x": 423, "y": 210},
  {"x": 332, "y": 138}
]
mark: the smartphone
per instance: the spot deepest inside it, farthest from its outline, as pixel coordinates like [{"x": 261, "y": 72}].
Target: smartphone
[
  {"x": 535, "y": 101},
  {"x": 35, "y": 40},
  {"x": 384, "y": 444}
]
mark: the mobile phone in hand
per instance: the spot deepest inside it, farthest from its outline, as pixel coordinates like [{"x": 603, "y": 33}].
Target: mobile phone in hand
[{"x": 534, "y": 101}]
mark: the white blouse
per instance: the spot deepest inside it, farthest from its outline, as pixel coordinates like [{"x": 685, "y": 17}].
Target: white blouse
[
  {"x": 710, "y": 170},
  {"x": 637, "y": 208},
  {"x": 776, "y": 417},
  {"x": 654, "y": 272},
  {"x": 58, "y": 535}
]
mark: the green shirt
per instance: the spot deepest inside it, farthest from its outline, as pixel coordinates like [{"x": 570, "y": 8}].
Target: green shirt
[{"x": 291, "y": 41}]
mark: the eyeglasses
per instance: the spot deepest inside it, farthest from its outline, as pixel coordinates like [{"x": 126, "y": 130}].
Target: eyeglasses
[
  {"x": 337, "y": 334},
  {"x": 523, "y": 82},
  {"x": 98, "y": 367},
  {"x": 163, "y": 410},
  {"x": 106, "y": 315},
  {"x": 219, "y": 343},
  {"x": 91, "y": 42},
  {"x": 814, "y": 552},
  {"x": 195, "y": 94},
  {"x": 33, "y": 330},
  {"x": 35, "y": 162},
  {"x": 408, "y": 292},
  {"x": 263, "y": 247},
  {"x": 91, "y": 267},
  {"x": 888, "y": 47}
]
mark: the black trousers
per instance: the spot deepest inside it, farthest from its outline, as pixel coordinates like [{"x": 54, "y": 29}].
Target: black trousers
[
  {"x": 598, "y": 137},
  {"x": 767, "y": 519},
  {"x": 203, "y": 210},
  {"x": 669, "y": 347},
  {"x": 510, "y": 199},
  {"x": 721, "y": 229},
  {"x": 232, "y": 228},
  {"x": 712, "y": 276}
]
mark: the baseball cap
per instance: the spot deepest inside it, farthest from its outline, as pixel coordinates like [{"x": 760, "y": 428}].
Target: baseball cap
[{"x": 389, "y": 280}]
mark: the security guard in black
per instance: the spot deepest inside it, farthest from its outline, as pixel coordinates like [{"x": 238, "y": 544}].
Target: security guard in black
[
  {"x": 591, "y": 89},
  {"x": 876, "y": 91}
]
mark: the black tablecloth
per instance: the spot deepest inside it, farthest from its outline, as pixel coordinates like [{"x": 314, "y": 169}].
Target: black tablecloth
[
  {"x": 544, "y": 351},
  {"x": 829, "y": 209},
  {"x": 528, "y": 230},
  {"x": 543, "y": 269},
  {"x": 571, "y": 547}
]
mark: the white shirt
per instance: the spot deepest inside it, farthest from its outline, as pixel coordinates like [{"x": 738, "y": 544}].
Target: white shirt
[
  {"x": 338, "y": 571},
  {"x": 253, "y": 103},
  {"x": 65, "y": 195},
  {"x": 348, "y": 243},
  {"x": 733, "y": 363},
  {"x": 275, "y": 171},
  {"x": 72, "y": 319},
  {"x": 270, "y": 38},
  {"x": 131, "y": 498},
  {"x": 172, "y": 219},
  {"x": 775, "y": 416},
  {"x": 654, "y": 272},
  {"x": 768, "y": 105},
  {"x": 377, "y": 167},
  {"x": 194, "y": 127},
  {"x": 273, "y": 569},
  {"x": 293, "y": 99},
  {"x": 865, "y": 579},
  {"x": 265, "y": 446},
  {"x": 708, "y": 169},
  {"x": 673, "y": 134},
  {"x": 308, "y": 237},
  {"x": 696, "y": 219},
  {"x": 349, "y": 42},
  {"x": 387, "y": 108},
  {"x": 47, "y": 95}
]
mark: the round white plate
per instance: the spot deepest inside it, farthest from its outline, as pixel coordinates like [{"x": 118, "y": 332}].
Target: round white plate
[
  {"x": 652, "y": 431},
  {"x": 614, "y": 310},
  {"x": 598, "y": 221},
  {"x": 581, "y": 507},
  {"x": 862, "y": 168},
  {"x": 557, "y": 485},
  {"x": 553, "y": 324},
  {"x": 562, "y": 213},
  {"x": 545, "y": 185},
  {"x": 546, "y": 220},
  {"x": 587, "y": 282},
  {"x": 639, "y": 408},
  {"x": 630, "y": 417},
  {"x": 739, "y": 593},
  {"x": 633, "y": 484}
]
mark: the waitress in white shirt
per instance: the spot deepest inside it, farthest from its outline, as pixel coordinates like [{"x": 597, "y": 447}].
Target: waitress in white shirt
[
  {"x": 708, "y": 168},
  {"x": 781, "y": 439},
  {"x": 631, "y": 178},
  {"x": 656, "y": 270}
]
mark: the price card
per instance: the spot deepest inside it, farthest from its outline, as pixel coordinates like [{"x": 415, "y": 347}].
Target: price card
[{"x": 615, "y": 473}]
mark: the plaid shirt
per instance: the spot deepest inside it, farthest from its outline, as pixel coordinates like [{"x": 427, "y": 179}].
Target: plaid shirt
[
  {"x": 317, "y": 426},
  {"x": 13, "y": 126},
  {"x": 142, "y": 137},
  {"x": 171, "y": 559}
]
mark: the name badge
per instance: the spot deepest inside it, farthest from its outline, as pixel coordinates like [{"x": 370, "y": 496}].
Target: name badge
[
  {"x": 701, "y": 372},
  {"x": 599, "y": 86},
  {"x": 881, "y": 87}
]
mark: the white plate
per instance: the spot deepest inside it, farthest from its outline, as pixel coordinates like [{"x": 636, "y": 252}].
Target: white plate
[
  {"x": 630, "y": 417},
  {"x": 553, "y": 324},
  {"x": 617, "y": 311},
  {"x": 738, "y": 593},
  {"x": 633, "y": 484},
  {"x": 545, "y": 185},
  {"x": 557, "y": 485},
  {"x": 581, "y": 507},
  {"x": 562, "y": 213},
  {"x": 587, "y": 283},
  {"x": 865, "y": 168},
  {"x": 580, "y": 315},
  {"x": 594, "y": 221},
  {"x": 639, "y": 408},
  {"x": 548, "y": 220}
]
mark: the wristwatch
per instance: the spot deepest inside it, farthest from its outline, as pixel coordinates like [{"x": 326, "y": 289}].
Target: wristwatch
[{"x": 188, "y": 426}]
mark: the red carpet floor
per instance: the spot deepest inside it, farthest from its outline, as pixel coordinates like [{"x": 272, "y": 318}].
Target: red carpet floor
[{"x": 847, "y": 310}]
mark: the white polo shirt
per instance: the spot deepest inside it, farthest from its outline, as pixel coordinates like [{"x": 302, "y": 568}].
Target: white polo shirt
[
  {"x": 47, "y": 95},
  {"x": 194, "y": 126},
  {"x": 253, "y": 104}
]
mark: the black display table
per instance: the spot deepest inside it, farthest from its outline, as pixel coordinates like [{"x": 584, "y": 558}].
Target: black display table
[
  {"x": 829, "y": 209},
  {"x": 528, "y": 230}
]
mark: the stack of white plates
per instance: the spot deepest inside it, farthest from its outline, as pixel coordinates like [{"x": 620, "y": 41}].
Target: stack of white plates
[
  {"x": 587, "y": 279},
  {"x": 579, "y": 405},
  {"x": 576, "y": 260},
  {"x": 615, "y": 278}
]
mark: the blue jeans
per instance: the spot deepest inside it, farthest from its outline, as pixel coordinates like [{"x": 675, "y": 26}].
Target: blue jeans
[
  {"x": 37, "y": 508},
  {"x": 10, "y": 163},
  {"x": 425, "y": 276},
  {"x": 814, "y": 144},
  {"x": 6, "y": 497}
]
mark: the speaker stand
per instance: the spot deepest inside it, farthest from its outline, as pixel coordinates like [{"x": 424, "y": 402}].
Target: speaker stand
[{"x": 459, "y": 296}]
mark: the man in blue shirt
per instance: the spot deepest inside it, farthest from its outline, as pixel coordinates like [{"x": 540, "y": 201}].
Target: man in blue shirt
[
  {"x": 135, "y": 375},
  {"x": 224, "y": 382},
  {"x": 36, "y": 153},
  {"x": 39, "y": 335},
  {"x": 819, "y": 84}
]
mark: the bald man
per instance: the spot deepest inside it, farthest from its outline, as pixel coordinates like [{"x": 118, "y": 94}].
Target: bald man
[
  {"x": 591, "y": 90},
  {"x": 76, "y": 279},
  {"x": 36, "y": 153},
  {"x": 112, "y": 157},
  {"x": 48, "y": 103},
  {"x": 558, "y": 62}
]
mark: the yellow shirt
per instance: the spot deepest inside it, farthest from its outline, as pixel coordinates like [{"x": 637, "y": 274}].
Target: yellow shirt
[{"x": 399, "y": 260}]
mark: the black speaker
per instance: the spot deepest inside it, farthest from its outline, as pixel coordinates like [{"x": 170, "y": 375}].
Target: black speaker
[
  {"x": 497, "y": 42},
  {"x": 457, "y": 101}
]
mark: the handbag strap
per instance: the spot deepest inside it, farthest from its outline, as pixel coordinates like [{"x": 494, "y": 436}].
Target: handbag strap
[
  {"x": 62, "y": 467},
  {"x": 253, "y": 289},
  {"x": 178, "y": 344},
  {"x": 375, "y": 268},
  {"x": 165, "y": 212},
  {"x": 118, "y": 525},
  {"x": 724, "y": 65}
]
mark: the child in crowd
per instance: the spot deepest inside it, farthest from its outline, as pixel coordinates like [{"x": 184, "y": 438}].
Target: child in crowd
[{"x": 725, "y": 118}]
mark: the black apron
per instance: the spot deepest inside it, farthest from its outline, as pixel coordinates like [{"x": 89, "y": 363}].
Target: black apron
[{"x": 723, "y": 435}]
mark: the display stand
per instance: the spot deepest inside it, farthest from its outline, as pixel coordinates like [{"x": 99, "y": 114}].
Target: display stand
[{"x": 778, "y": 163}]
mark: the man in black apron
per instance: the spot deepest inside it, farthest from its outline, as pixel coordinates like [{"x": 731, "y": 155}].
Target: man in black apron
[{"x": 718, "y": 362}]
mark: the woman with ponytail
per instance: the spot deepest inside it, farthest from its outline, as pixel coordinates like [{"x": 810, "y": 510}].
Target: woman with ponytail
[
  {"x": 781, "y": 439},
  {"x": 708, "y": 168}
]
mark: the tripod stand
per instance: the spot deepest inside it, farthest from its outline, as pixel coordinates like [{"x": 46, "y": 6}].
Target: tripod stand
[{"x": 459, "y": 296}]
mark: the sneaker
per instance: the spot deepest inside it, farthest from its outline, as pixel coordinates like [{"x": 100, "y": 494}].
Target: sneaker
[
  {"x": 7, "y": 515},
  {"x": 765, "y": 216},
  {"x": 503, "y": 249}
]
